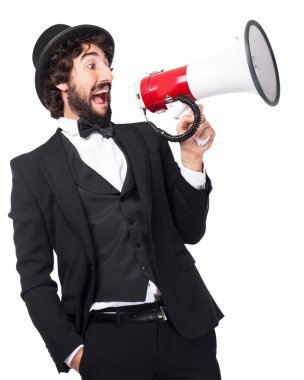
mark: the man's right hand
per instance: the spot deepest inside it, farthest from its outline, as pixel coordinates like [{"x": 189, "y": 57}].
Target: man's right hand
[{"x": 76, "y": 359}]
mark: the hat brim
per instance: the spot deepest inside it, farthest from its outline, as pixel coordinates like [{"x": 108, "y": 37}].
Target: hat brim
[{"x": 43, "y": 62}]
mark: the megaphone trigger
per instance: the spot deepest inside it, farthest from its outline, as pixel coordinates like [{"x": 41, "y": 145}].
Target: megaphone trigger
[{"x": 202, "y": 142}]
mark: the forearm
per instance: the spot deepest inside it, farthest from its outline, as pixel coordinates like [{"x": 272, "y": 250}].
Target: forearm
[
  {"x": 189, "y": 205},
  {"x": 190, "y": 209}
]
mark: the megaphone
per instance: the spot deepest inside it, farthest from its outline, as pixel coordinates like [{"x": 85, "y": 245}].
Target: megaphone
[{"x": 248, "y": 66}]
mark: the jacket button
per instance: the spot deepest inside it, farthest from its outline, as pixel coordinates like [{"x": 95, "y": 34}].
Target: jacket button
[
  {"x": 144, "y": 267},
  {"x": 122, "y": 198},
  {"x": 137, "y": 245},
  {"x": 92, "y": 267},
  {"x": 131, "y": 221}
]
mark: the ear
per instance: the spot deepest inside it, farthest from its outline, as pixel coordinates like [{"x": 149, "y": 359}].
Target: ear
[{"x": 62, "y": 86}]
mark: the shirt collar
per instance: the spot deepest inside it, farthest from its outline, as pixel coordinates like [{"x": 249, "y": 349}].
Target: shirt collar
[{"x": 68, "y": 125}]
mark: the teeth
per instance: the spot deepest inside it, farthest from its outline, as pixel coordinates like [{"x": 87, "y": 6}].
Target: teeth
[{"x": 101, "y": 92}]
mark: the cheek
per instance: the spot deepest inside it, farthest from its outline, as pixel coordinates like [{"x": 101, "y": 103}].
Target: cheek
[
  {"x": 85, "y": 88},
  {"x": 87, "y": 81}
]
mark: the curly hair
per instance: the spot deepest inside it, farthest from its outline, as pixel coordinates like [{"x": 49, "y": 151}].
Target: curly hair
[{"x": 61, "y": 64}]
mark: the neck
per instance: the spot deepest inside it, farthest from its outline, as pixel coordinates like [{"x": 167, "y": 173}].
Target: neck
[{"x": 69, "y": 114}]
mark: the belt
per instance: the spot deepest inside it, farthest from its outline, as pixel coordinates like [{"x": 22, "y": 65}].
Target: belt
[{"x": 130, "y": 313}]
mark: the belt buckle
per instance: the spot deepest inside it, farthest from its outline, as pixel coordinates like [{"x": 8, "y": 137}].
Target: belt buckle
[{"x": 162, "y": 310}]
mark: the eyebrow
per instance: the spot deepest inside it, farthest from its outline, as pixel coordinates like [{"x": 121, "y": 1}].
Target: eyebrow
[{"x": 87, "y": 54}]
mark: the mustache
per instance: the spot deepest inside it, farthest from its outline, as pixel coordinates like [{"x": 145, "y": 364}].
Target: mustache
[{"x": 100, "y": 86}]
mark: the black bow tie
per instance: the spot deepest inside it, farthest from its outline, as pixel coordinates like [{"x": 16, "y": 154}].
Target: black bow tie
[{"x": 85, "y": 128}]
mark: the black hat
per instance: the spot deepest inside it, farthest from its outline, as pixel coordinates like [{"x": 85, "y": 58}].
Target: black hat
[{"x": 53, "y": 36}]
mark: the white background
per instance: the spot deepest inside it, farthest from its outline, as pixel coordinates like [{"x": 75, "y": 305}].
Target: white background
[{"x": 251, "y": 255}]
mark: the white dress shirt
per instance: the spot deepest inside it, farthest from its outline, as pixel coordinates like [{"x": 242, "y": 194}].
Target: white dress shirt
[{"x": 106, "y": 158}]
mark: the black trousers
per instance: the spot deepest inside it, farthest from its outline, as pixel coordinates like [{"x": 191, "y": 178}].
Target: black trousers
[{"x": 146, "y": 350}]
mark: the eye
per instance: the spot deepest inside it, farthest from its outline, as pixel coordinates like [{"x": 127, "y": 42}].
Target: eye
[
  {"x": 111, "y": 68},
  {"x": 91, "y": 66}
]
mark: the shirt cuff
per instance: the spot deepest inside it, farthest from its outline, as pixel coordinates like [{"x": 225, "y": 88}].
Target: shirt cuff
[
  {"x": 194, "y": 178},
  {"x": 70, "y": 357}
]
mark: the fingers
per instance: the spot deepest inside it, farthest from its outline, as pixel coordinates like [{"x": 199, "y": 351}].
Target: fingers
[
  {"x": 203, "y": 132},
  {"x": 187, "y": 120},
  {"x": 189, "y": 117},
  {"x": 204, "y": 129}
]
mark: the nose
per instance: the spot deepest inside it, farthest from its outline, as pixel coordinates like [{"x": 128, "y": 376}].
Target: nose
[{"x": 105, "y": 73}]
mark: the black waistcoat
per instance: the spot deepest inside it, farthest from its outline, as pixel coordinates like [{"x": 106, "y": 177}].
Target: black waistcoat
[{"x": 118, "y": 228}]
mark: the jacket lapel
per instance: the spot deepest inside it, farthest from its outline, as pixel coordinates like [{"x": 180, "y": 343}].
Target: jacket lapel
[{"x": 57, "y": 172}]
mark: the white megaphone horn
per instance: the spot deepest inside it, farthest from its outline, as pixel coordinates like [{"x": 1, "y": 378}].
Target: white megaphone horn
[{"x": 248, "y": 66}]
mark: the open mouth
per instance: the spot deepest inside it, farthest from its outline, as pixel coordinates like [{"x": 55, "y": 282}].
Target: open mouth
[{"x": 101, "y": 96}]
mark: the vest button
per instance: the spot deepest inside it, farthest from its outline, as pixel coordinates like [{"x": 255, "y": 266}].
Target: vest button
[
  {"x": 92, "y": 267},
  {"x": 137, "y": 245},
  {"x": 131, "y": 221}
]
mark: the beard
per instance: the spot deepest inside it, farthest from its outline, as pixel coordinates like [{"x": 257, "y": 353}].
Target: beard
[{"x": 81, "y": 105}]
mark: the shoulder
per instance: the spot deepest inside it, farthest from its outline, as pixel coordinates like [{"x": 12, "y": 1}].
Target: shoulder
[
  {"x": 25, "y": 165},
  {"x": 30, "y": 159},
  {"x": 24, "y": 158}
]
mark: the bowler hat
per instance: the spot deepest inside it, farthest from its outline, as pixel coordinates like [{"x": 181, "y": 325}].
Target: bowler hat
[{"x": 54, "y": 36}]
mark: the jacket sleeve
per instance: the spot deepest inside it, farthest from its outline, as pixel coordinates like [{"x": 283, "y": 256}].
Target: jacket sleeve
[
  {"x": 35, "y": 262},
  {"x": 189, "y": 205}
]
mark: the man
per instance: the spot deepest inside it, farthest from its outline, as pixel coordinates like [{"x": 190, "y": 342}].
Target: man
[{"x": 113, "y": 204}]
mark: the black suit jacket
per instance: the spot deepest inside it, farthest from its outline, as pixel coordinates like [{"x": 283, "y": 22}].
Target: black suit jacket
[{"x": 48, "y": 217}]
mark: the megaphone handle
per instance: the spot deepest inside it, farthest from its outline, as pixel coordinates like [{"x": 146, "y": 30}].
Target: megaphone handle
[
  {"x": 190, "y": 132},
  {"x": 177, "y": 110}
]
